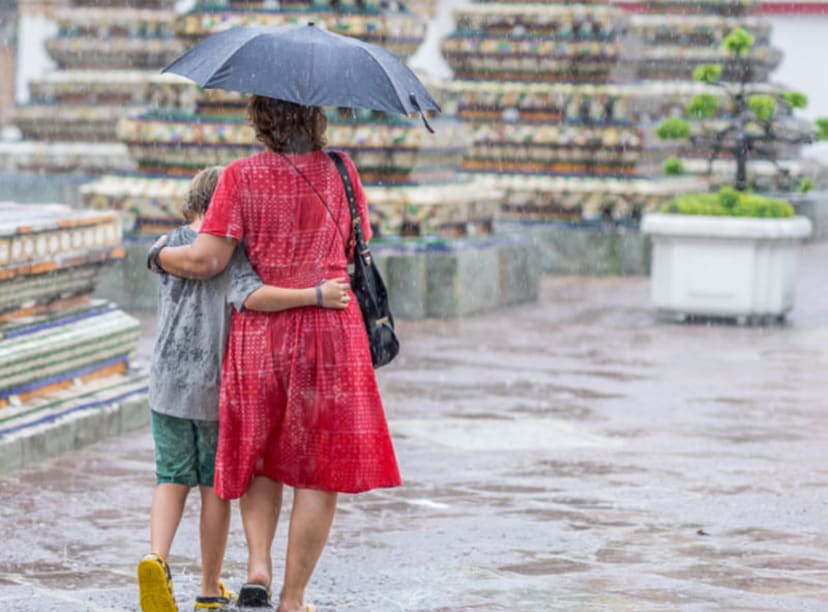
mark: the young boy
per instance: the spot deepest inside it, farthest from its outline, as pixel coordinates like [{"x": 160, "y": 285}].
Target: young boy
[{"x": 193, "y": 321}]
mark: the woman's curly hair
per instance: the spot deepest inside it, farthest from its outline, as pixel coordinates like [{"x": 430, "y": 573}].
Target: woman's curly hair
[
  {"x": 201, "y": 192},
  {"x": 280, "y": 124}
]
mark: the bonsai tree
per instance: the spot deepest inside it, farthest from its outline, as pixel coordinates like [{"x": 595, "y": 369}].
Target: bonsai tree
[{"x": 749, "y": 123}]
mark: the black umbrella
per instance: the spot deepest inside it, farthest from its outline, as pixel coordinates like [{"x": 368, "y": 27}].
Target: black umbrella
[{"x": 305, "y": 65}]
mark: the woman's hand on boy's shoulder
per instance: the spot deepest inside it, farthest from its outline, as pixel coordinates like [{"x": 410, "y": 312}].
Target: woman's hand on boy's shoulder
[{"x": 152, "y": 255}]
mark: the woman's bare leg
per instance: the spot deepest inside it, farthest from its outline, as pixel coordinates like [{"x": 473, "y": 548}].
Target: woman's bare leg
[
  {"x": 214, "y": 525},
  {"x": 260, "y": 506},
  {"x": 165, "y": 514},
  {"x": 310, "y": 522}
]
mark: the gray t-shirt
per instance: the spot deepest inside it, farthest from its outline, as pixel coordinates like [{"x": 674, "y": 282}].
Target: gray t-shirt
[{"x": 193, "y": 322}]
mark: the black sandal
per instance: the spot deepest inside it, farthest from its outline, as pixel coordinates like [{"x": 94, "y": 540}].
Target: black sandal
[{"x": 254, "y": 595}]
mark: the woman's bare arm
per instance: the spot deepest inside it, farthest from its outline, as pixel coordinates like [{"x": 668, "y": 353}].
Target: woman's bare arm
[
  {"x": 267, "y": 298},
  {"x": 204, "y": 258}
]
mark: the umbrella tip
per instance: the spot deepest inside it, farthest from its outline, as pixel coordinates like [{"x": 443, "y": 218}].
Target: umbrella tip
[{"x": 413, "y": 98}]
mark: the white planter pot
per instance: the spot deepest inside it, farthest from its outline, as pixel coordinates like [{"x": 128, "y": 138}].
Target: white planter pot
[{"x": 724, "y": 266}]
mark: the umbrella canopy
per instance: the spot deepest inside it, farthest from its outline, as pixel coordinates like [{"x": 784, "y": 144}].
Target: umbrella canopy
[{"x": 306, "y": 65}]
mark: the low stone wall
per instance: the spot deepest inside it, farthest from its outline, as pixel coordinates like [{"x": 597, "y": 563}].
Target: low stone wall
[
  {"x": 814, "y": 206},
  {"x": 443, "y": 279},
  {"x": 565, "y": 248},
  {"x": 459, "y": 278},
  {"x": 128, "y": 283},
  {"x": 36, "y": 189}
]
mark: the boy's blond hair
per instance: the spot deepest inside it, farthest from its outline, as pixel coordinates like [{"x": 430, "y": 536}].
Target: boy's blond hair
[{"x": 201, "y": 192}]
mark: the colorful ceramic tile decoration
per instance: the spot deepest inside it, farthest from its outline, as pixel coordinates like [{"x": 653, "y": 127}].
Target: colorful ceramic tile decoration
[
  {"x": 53, "y": 336},
  {"x": 397, "y": 30},
  {"x": 87, "y": 395},
  {"x": 557, "y": 122},
  {"x": 43, "y": 158},
  {"x": 702, "y": 7},
  {"x": 51, "y": 252},
  {"x": 424, "y": 8},
  {"x": 170, "y": 144},
  {"x": 53, "y": 351},
  {"x": 387, "y": 150},
  {"x": 535, "y": 42},
  {"x": 679, "y": 36},
  {"x": 108, "y": 54}
]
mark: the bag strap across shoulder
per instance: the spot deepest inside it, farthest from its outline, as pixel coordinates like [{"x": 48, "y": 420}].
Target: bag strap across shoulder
[
  {"x": 357, "y": 238},
  {"x": 321, "y": 199}
]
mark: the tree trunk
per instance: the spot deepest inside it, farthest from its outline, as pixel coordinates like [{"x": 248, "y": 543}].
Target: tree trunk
[{"x": 741, "y": 163}]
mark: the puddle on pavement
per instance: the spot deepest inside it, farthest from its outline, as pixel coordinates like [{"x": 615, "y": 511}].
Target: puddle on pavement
[
  {"x": 546, "y": 567},
  {"x": 523, "y": 434},
  {"x": 759, "y": 534},
  {"x": 570, "y": 469},
  {"x": 619, "y": 555},
  {"x": 788, "y": 563},
  {"x": 508, "y": 488}
]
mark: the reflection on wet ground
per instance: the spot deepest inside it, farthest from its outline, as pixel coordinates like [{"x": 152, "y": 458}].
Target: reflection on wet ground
[{"x": 575, "y": 454}]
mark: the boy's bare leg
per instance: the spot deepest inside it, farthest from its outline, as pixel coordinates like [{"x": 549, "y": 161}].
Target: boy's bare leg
[
  {"x": 165, "y": 514},
  {"x": 310, "y": 522},
  {"x": 260, "y": 506},
  {"x": 214, "y": 525}
]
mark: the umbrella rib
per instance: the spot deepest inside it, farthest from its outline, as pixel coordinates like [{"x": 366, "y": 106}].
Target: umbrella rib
[
  {"x": 388, "y": 78},
  {"x": 228, "y": 58}
]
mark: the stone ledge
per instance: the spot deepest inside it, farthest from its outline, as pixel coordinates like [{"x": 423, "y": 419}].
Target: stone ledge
[
  {"x": 441, "y": 279},
  {"x": 71, "y": 424},
  {"x": 814, "y": 206},
  {"x": 565, "y": 248},
  {"x": 460, "y": 278}
]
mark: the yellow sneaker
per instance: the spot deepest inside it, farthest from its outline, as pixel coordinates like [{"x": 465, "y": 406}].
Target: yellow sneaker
[{"x": 155, "y": 585}]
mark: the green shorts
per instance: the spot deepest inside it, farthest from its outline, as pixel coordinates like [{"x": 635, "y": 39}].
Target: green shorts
[{"x": 185, "y": 450}]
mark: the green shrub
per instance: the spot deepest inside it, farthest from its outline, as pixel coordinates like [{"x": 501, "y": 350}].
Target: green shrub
[
  {"x": 673, "y": 166},
  {"x": 762, "y": 106},
  {"x": 822, "y": 128},
  {"x": 738, "y": 42},
  {"x": 795, "y": 99},
  {"x": 728, "y": 203},
  {"x": 673, "y": 129},
  {"x": 806, "y": 185},
  {"x": 703, "y": 106},
  {"x": 707, "y": 73}
]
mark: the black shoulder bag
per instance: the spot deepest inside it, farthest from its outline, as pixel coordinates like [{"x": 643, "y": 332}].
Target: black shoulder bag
[{"x": 367, "y": 284}]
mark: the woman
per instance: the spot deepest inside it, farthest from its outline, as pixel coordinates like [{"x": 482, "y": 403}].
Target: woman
[{"x": 299, "y": 400}]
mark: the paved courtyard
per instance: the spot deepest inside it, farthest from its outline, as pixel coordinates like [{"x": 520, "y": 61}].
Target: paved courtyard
[{"x": 573, "y": 454}]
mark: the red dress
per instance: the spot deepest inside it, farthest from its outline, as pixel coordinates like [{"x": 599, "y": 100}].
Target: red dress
[{"x": 299, "y": 399}]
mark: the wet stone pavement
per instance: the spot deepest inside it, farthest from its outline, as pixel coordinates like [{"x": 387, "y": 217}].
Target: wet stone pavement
[{"x": 574, "y": 454}]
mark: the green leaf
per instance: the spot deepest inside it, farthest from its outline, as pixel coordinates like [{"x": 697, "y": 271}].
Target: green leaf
[
  {"x": 703, "y": 106},
  {"x": 795, "y": 99},
  {"x": 707, "y": 73},
  {"x": 822, "y": 128},
  {"x": 673, "y": 166},
  {"x": 762, "y": 106},
  {"x": 728, "y": 203},
  {"x": 728, "y": 198},
  {"x": 806, "y": 184},
  {"x": 673, "y": 128},
  {"x": 738, "y": 42}
]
